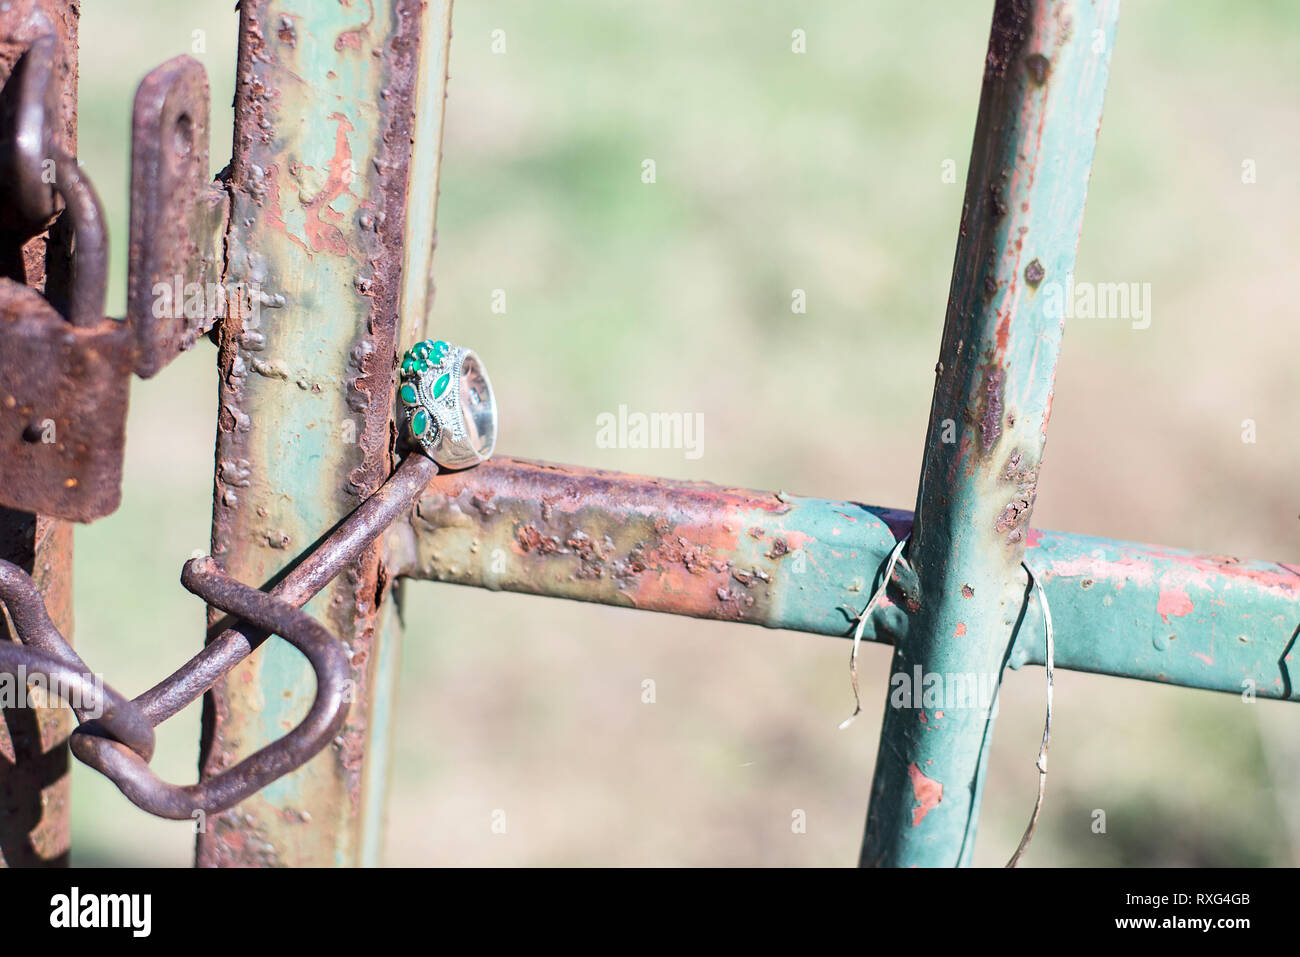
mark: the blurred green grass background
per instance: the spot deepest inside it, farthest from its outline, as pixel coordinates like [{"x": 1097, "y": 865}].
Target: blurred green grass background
[{"x": 775, "y": 171}]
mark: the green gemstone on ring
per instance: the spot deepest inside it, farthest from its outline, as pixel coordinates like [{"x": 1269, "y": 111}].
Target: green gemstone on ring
[
  {"x": 420, "y": 422},
  {"x": 440, "y": 386},
  {"x": 422, "y": 349},
  {"x": 439, "y": 351},
  {"x": 408, "y": 394},
  {"x": 410, "y": 364}
]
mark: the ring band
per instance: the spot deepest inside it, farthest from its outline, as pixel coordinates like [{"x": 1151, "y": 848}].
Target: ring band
[{"x": 451, "y": 413}]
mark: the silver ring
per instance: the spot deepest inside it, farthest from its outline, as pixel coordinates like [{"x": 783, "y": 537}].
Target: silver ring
[{"x": 451, "y": 413}]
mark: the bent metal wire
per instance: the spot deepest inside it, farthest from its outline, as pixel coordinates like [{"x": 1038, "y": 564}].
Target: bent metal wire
[{"x": 120, "y": 742}]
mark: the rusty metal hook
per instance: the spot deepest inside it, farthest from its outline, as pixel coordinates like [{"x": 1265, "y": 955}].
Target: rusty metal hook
[
  {"x": 131, "y": 772},
  {"x": 120, "y": 743},
  {"x": 44, "y": 652}
]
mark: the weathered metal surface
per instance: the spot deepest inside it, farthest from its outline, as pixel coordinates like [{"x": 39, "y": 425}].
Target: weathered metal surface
[
  {"x": 228, "y": 646},
  {"x": 1040, "y": 109},
  {"x": 1165, "y": 614},
  {"x": 63, "y": 401},
  {"x": 33, "y": 753},
  {"x": 807, "y": 564},
  {"x": 178, "y": 218},
  {"x": 29, "y": 118},
  {"x": 686, "y": 548},
  {"x": 416, "y": 301},
  {"x": 117, "y": 737},
  {"x": 83, "y": 219},
  {"x": 33, "y": 741},
  {"x": 326, "y": 114},
  {"x": 64, "y": 384},
  {"x": 45, "y": 651},
  {"x": 129, "y": 769}
]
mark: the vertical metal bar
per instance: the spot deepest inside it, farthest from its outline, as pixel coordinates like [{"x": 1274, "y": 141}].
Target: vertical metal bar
[
  {"x": 415, "y": 305},
  {"x": 34, "y": 782},
  {"x": 1040, "y": 109},
  {"x": 333, "y": 179}
]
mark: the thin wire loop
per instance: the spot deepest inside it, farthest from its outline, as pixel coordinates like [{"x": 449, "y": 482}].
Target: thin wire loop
[
  {"x": 1041, "y": 763},
  {"x": 862, "y": 624}
]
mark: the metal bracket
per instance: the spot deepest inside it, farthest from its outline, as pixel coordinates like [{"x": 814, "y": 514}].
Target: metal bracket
[{"x": 178, "y": 217}]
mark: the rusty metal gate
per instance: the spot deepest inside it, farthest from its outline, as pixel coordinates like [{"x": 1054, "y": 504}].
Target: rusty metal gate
[{"x": 328, "y": 207}]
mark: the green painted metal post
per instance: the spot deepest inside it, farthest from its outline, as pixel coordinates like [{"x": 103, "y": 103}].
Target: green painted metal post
[
  {"x": 334, "y": 179},
  {"x": 1040, "y": 109}
]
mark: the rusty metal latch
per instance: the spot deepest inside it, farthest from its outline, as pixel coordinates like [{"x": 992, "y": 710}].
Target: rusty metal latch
[
  {"x": 64, "y": 383},
  {"x": 64, "y": 367},
  {"x": 116, "y": 734}
]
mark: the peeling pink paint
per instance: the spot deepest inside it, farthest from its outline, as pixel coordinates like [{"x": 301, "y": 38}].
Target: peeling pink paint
[
  {"x": 1139, "y": 564},
  {"x": 1206, "y": 658},
  {"x": 320, "y": 224},
  {"x": 927, "y": 791},
  {"x": 1173, "y": 601},
  {"x": 960, "y": 630}
]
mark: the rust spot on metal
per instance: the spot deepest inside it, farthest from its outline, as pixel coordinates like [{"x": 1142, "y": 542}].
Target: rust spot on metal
[
  {"x": 1007, "y": 36},
  {"x": 1013, "y": 465},
  {"x": 967, "y": 591},
  {"x": 1015, "y": 514},
  {"x": 53, "y": 373},
  {"x": 997, "y": 205},
  {"x": 1034, "y": 273},
  {"x": 990, "y": 415},
  {"x": 287, "y": 34},
  {"x": 591, "y": 554},
  {"x": 601, "y": 536},
  {"x": 531, "y": 540},
  {"x": 1038, "y": 67}
]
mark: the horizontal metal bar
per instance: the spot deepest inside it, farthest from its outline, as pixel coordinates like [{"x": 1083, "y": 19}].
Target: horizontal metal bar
[
  {"x": 1165, "y": 614},
  {"x": 808, "y": 564}
]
